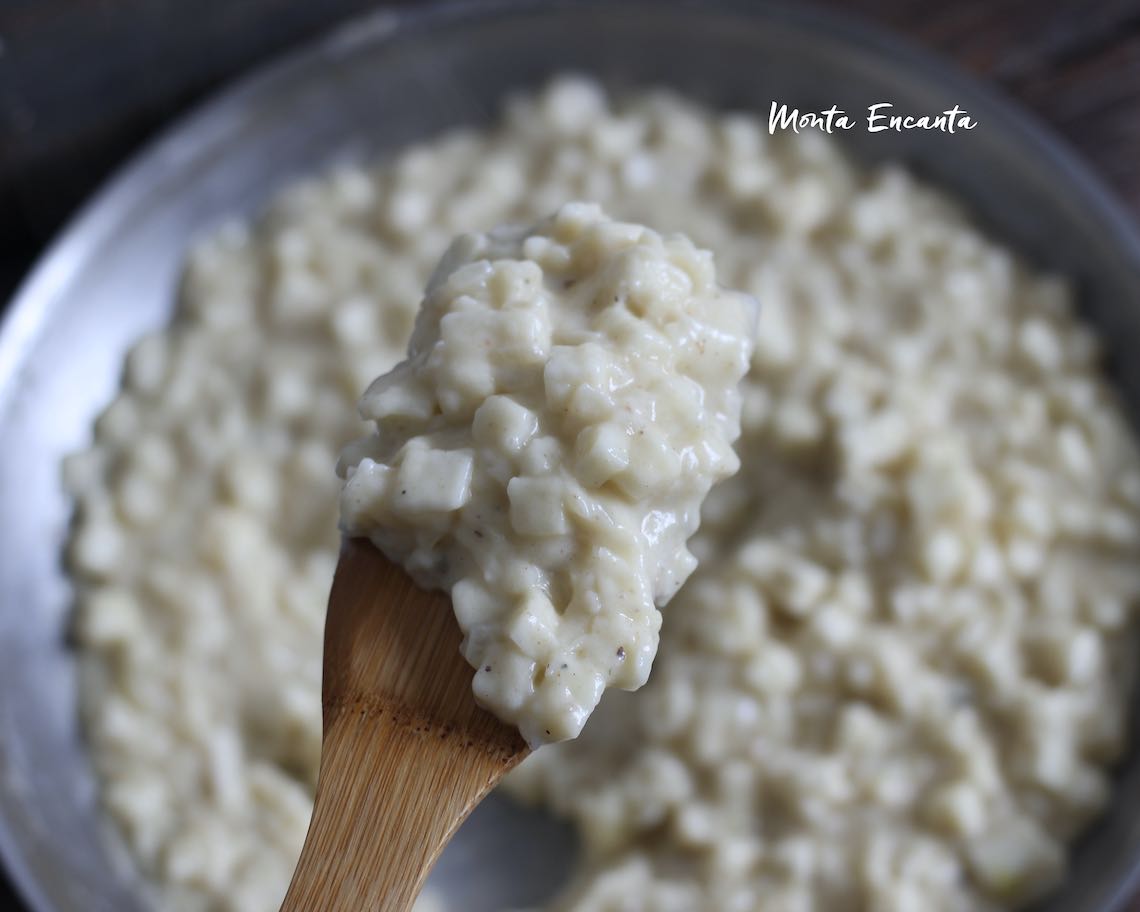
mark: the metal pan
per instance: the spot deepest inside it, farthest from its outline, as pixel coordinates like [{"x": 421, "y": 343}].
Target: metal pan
[{"x": 368, "y": 89}]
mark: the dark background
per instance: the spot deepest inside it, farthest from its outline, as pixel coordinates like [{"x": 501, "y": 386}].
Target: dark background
[{"x": 84, "y": 82}]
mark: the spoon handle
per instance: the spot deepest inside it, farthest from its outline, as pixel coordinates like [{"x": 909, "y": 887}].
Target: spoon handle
[
  {"x": 389, "y": 797},
  {"x": 406, "y": 754}
]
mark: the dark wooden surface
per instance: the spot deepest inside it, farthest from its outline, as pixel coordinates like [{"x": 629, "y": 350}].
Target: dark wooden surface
[{"x": 83, "y": 82}]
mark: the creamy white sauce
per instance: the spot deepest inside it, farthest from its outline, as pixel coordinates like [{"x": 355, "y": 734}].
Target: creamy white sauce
[
  {"x": 569, "y": 398},
  {"x": 902, "y": 670}
]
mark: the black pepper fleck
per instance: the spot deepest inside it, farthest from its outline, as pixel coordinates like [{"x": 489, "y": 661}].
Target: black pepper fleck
[{"x": 621, "y": 652}]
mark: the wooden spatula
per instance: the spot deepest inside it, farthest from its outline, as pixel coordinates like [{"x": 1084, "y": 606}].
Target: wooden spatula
[{"x": 407, "y": 753}]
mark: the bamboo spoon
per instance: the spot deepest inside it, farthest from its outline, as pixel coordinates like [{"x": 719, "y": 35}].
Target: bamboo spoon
[{"x": 407, "y": 754}]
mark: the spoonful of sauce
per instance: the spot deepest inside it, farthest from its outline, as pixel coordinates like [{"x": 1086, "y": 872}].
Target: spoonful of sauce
[{"x": 569, "y": 398}]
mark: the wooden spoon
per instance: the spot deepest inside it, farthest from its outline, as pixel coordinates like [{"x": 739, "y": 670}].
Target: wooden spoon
[{"x": 406, "y": 754}]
